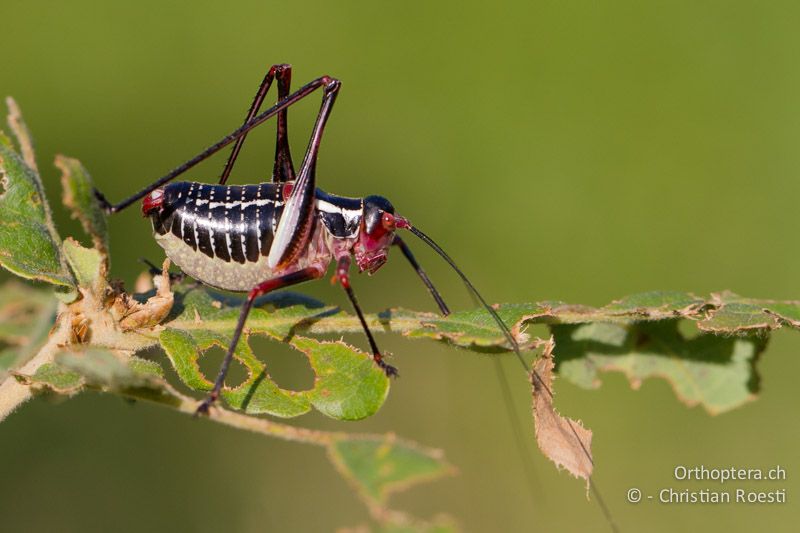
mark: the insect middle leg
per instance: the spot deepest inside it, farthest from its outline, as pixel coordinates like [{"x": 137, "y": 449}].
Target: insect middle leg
[
  {"x": 283, "y": 169},
  {"x": 270, "y": 285},
  {"x": 343, "y": 275}
]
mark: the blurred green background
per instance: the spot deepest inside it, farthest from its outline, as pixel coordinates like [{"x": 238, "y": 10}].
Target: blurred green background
[{"x": 578, "y": 151}]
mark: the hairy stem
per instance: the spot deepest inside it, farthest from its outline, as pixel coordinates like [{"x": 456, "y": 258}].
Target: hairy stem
[
  {"x": 261, "y": 425},
  {"x": 12, "y": 392}
]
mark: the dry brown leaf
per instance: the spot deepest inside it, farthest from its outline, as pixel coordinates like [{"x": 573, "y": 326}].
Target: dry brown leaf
[
  {"x": 565, "y": 442},
  {"x": 153, "y": 311}
]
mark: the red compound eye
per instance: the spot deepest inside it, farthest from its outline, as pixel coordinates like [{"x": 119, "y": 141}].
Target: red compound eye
[{"x": 388, "y": 221}]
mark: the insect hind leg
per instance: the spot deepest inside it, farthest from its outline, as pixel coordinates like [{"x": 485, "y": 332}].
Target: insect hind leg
[
  {"x": 283, "y": 169},
  {"x": 302, "y": 92}
]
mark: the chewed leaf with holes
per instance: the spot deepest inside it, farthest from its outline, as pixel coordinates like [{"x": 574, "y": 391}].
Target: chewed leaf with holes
[
  {"x": 713, "y": 371},
  {"x": 29, "y": 244},
  {"x": 724, "y": 313},
  {"x": 348, "y": 385},
  {"x": 381, "y": 465},
  {"x": 476, "y": 329},
  {"x": 258, "y": 394},
  {"x": 283, "y": 314},
  {"x": 278, "y": 315},
  {"x": 736, "y": 314},
  {"x": 656, "y": 305}
]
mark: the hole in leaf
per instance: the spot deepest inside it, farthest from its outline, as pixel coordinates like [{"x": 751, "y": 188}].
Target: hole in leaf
[
  {"x": 211, "y": 360},
  {"x": 688, "y": 329},
  {"x": 288, "y": 367}
]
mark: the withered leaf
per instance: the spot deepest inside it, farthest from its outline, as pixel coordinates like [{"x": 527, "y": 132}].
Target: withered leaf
[
  {"x": 152, "y": 312},
  {"x": 564, "y": 441}
]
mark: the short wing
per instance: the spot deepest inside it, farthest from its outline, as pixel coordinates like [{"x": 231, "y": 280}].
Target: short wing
[{"x": 295, "y": 223}]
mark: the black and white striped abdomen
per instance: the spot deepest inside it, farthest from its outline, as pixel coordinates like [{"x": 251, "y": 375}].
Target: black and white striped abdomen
[
  {"x": 227, "y": 222},
  {"x": 219, "y": 234}
]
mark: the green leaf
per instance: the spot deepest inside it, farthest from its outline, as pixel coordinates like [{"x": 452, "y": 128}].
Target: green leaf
[
  {"x": 55, "y": 378},
  {"x": 87, "y": 264},
  {"x": 736, "y": 314},
  {"x": 739, "y": 318},
  {"x": 101, "y": 368},
  {"x": 713, "y": 371},
  {"x": 26, "y": 315},
  {"x": 656, "y": 305},
  {"x": 277, "y": 315},
  {"x": 474, "y": 329},
  {"x": 724, "y": 313},
  {"x": 378, "y": 466},
  {"x": 349, "y": 385},
  {"x": 79, "y": 198},
  {"x": 698, "y": 368},
  {"x": 257, "y": 394},
  {"x": 21, "y": 132},
  {"x": 29, "y": 244},
  {"x": 477, "y": 330},
  {"x": 75, "y": 370}
]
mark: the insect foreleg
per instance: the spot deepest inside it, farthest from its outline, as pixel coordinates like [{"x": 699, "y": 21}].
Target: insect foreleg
[
  {"x": 400, "y": 243},
  {"x": 262, "y": 288},
  {"x": 283, "y": 169},
  {"x": 343, "y": 275}
]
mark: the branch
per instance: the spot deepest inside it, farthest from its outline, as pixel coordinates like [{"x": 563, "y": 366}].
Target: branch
[{"x": 13, "y": 393}]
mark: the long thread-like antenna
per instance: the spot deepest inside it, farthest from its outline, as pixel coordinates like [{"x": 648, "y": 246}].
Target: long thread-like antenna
[
  {"x": 506, "y": 332},
  {"x": 515, "y": 347}
]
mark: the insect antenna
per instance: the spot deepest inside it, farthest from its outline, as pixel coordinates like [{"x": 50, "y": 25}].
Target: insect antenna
[
  {"x": 404, "y": 224},
  {"x": 502, "y": 325}
]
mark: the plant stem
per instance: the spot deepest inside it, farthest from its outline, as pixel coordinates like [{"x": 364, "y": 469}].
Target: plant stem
[
  {"x": 12, "y": 392},
  {"x": 261, "y": 425}
]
